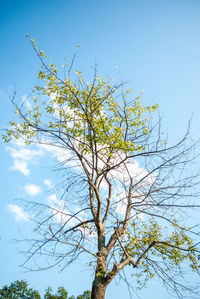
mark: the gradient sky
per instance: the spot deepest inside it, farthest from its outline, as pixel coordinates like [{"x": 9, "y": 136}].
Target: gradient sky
[{"x": 153, "y": 45}]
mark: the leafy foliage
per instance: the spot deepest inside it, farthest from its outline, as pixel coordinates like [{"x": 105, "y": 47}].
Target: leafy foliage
[
  {"x": 20, "y": 290},
  {"x": 84, "y": 112}
]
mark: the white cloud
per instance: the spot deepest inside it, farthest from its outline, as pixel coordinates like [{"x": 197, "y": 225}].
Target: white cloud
[
  {"x": 59, "y": 203},
  {"x": 62, "y": 216},
  {"x": 21, "y": 166},
  {"x": 20, "y": 214},
  {"x": 58, "y": 209},
  {"x": 61, "y": 154},
  {"x": 48, "y": 183},
  {"x": 24, "y": 153},
  {"x": 18, "y": 142},
  {"x": 32, "y": 189},
  {"x": 53, "y": 198},
  {"x": 22, "y": 156}
]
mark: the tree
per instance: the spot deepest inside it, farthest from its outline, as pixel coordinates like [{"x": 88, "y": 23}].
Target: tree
[
  {"x": 18, "y": 290},
  {"x": 63, "y": 294},
  {"x": 126, "y": 188},
  {"x": 86, "y": 295}
]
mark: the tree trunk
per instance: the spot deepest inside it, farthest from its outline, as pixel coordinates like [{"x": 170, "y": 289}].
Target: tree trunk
[{"x": 98, "y": 290}]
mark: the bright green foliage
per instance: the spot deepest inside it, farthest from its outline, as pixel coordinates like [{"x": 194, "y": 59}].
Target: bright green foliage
[
  {"x": 84, "y": 112},
  {"x": 149, "y": 239},
  {"x": 18, "y": 290}
]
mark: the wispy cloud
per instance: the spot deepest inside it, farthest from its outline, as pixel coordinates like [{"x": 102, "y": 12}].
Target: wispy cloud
[
  {"x": 19, "y": 213},
  {"x": 24, "y": 153},
  {"x": 22, "y": 156},
  {"x": 48, "y": 183},
  {"x": 59, "y": 203},
  {"x": 58, "y": 209},
  {"x": 32, "y": 189},
  {"x": 60, "y": 153},
  {"x": 21, "y": 166}
]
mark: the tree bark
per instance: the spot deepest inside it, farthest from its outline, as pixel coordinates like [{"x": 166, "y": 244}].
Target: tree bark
[{"x": 98, "y": 290}]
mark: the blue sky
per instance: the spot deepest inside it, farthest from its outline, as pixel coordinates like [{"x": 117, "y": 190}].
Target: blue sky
[{"x": 154, "y": 45}]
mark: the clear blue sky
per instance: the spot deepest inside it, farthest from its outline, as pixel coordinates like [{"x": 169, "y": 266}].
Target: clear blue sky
[{"x": 154, "y": 45}]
